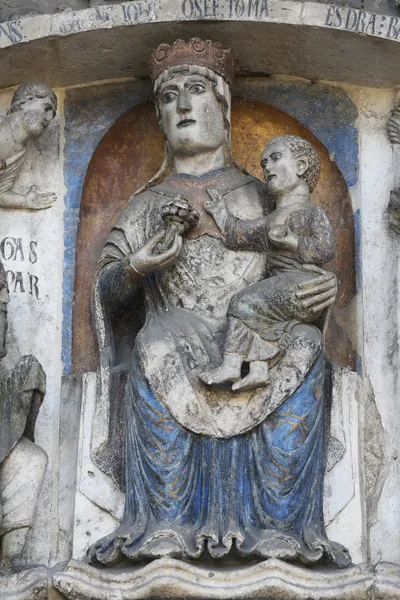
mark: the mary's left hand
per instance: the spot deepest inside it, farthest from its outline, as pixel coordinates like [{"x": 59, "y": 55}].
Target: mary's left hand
[{"x": 318, "y": 293}]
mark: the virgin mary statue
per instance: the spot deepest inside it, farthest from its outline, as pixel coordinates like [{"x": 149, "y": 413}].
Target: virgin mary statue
[{"x": 206, "y": 470}]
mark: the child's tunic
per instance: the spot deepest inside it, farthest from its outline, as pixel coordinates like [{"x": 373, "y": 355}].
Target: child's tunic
[{"x": 269, "y": 308}]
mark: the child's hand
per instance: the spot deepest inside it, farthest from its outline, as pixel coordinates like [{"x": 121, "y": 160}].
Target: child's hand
[
  {"x": 215, "y": 200},
  {"x": 282, "y": 237},
  {"x": 216, "y": 207}
]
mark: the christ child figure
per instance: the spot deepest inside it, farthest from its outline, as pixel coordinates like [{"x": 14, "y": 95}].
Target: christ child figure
[{"x": 297, "y": 238}]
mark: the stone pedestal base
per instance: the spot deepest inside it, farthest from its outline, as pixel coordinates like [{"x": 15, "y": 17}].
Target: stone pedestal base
[
  {"x": 27, "y": 585},
  {"x": 268, "y": 580},
  {"x": 173, "y": 579}
]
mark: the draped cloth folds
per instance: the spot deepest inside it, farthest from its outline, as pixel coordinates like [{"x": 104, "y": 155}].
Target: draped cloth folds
[
  {"x": 10, "y": 170},
  {"x": 257, "y": 494}
]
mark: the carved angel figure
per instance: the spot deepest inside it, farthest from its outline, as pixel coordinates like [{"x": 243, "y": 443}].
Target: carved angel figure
[{"x": 33, "y": 107}]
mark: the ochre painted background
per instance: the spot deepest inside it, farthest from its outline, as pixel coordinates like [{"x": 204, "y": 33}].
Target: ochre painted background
[{"x": 132, "y": 151}]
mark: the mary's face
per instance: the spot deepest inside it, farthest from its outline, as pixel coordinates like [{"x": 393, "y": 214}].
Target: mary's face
[{"x": 191, "y": 115}]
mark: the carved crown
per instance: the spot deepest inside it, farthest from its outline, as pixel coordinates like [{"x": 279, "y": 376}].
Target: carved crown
[{"x": 204, "y": 53}]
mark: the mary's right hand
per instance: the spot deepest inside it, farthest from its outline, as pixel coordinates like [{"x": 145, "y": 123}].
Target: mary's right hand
[{"x": 145, "y": 260}]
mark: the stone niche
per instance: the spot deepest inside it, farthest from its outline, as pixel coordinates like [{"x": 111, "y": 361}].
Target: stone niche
[
  {"x": 136, "y": 134},
  {"x": 328, "y": 73}
]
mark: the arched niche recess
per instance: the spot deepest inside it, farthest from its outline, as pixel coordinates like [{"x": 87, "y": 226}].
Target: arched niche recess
[{"x": 132, "y": 151}]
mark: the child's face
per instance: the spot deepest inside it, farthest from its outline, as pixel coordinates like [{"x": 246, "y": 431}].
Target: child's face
[{"x": 281, "y": 169}]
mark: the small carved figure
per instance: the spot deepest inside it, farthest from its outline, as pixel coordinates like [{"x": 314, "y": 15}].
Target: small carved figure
[
  {"x": 22, "y": 462},
  {"x": 297, "y": 237},
  {"x": 33, "y": 107}
]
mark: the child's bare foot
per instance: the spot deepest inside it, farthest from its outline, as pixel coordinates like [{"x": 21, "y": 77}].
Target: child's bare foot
[
  {"x": 257, "y": 377},
  {"x": 228, "y": 371}
]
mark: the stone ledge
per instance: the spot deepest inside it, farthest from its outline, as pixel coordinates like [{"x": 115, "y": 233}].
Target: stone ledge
[
  {"x": 314, "y": 14},
  {"x": 170, "y": 578},
  {"x": 387, "y": 581},
  {"x": 174, "y": 579},
  {"x": 307, "y": 39},
  {"x": 27, "y": 585}
]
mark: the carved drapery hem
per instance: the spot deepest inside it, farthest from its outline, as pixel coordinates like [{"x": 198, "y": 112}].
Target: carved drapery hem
[{"x": 193, "y": 508}]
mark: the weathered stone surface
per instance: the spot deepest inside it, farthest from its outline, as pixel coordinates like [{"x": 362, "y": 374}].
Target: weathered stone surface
[
  {"x": 70, "y": 415},
  {"x": 169, "y": 578},
  {"x": 14, "y": 9},
  {"x": 32, "y": 247},
  {"x": 27, "y": 585},
  {"x": 387, "y": 585},
  {"x": 10, "y": 8},
  {"x": 98, "y": 503},
  {"x": 23, "y": 464},
  {"x": 343, "y": 498},
  {"x": 379, "y": 416}
]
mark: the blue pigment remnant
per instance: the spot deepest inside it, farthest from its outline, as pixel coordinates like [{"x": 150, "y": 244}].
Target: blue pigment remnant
[
  {"x": 259, "y": 493},
  {"x": 89, "y": 114},
  {"x": 326, "y": 110},
  {"x": 357, "y": 238}
]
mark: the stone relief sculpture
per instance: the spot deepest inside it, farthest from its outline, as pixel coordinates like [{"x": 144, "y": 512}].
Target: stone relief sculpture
[
  {"x": 208, "y": 470},
  {"x": 33, "y": 107},
  {"x": 22, "y": 462}
]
